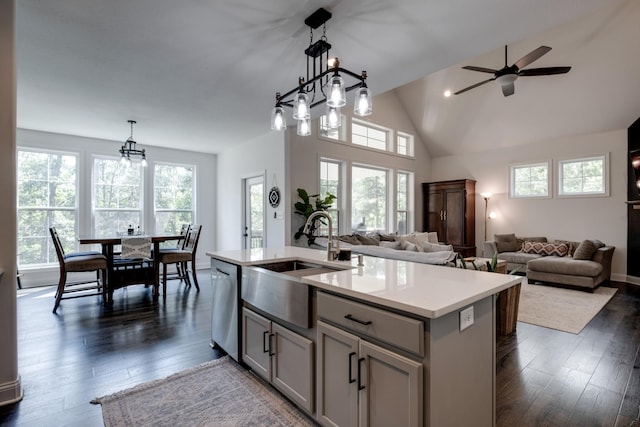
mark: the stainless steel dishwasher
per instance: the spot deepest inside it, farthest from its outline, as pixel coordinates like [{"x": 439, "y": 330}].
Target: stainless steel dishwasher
[{"x": 225, "y": 308}]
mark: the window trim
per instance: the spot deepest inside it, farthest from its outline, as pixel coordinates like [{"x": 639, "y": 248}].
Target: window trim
[
  {"x": 410, "y": 144},
  {"x": 514, "y": 166},
  {"x": 605, "y": 176}
]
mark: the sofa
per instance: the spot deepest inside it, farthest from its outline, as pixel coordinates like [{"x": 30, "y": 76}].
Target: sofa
[
  {"x": 584, "y": 265},
  {"x": 414, "y": 247}
]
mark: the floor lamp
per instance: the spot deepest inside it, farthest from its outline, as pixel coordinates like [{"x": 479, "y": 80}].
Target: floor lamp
[{"x": 486, "y": 197}]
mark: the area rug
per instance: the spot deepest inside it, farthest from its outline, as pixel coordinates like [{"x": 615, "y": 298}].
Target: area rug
[
  {"x": 558, "y": 308},
  {"x": 216, "y": 393}
]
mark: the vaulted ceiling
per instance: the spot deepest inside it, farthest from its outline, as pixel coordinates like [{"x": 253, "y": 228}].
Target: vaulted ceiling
[{"x": 202, "y": 75}]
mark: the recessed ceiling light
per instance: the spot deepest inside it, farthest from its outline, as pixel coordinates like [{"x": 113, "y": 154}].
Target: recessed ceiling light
[{"x": 447, "y": 93}]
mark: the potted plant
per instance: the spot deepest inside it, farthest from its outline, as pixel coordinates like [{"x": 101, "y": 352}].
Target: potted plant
[{"x": 308, "y": 206}]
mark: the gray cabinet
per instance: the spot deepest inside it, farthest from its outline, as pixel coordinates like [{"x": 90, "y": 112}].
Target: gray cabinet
[
  {"x": 280, "y": 356},
  {"x": 360, "y": 383}
]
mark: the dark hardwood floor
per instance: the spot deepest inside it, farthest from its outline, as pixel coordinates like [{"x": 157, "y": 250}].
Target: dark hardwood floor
[{"x": 544, "y": 377}]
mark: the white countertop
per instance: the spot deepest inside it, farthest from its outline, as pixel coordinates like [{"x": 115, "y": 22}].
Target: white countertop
[{"x": 429, "y": 291}]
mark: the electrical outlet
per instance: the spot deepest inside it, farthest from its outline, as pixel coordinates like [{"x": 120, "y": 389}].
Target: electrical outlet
[{"x": 466, "y": 318}]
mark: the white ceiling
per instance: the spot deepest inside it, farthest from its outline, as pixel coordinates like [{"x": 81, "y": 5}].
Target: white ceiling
[{"x": 202, "y": 75}]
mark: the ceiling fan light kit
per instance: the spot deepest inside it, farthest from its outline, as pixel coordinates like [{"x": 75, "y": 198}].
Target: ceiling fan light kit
[
  {"x": 324, "y": 83},
  {"x": 507, "y": 75}
]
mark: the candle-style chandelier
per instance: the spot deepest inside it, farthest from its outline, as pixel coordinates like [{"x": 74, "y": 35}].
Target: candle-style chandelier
[
  {"x": 323, "y": 84},
  {"x": 129, "y": 149}
]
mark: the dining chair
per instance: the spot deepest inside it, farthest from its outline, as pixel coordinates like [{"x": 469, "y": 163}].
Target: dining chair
[
  {"x": 179, "y": 245},
  {"x": 134, "y": 265},
  {"x": 77, "y": 262},
  {"x": 182, "y": 257}
]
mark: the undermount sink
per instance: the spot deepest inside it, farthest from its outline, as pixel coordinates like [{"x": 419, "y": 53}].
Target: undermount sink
[{"x": 277, "y": 288}]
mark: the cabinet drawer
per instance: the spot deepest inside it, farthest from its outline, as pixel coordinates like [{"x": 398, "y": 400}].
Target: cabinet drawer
[{"x": 397, "y": 330}]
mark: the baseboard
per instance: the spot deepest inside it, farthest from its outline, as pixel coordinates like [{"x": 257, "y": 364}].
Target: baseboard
[
  {"x": 628, "y": 279},
  {"x": 10, "y": 392}
]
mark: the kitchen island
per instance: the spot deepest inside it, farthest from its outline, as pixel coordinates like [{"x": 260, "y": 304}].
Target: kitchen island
[{"x": 386, "y": 343}]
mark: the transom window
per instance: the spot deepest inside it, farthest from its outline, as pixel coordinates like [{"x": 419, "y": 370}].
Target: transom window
[
  {"x": 117, "y": 196},
  {"x": 404, "y": 144},
  {"x": 174, "y": 191},
  {"x": 370, "y": 136},
  {"x": 582, "y": 177},
  {"x": 46, "y": 193},
  {"x": 530, "y": 180}
]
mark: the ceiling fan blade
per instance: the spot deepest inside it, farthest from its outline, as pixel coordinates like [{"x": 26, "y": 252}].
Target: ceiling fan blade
[
  {"x": 546, "y": 71},
  {"x": 481, "y": 69},
  {"x": 508, "y": 90},
  {"x": 531, "y": 56},
  {"x": 473, "y": 86}
]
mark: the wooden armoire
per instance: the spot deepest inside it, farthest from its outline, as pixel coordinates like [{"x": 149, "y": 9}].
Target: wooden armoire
[{"x": 449, "y": 210}]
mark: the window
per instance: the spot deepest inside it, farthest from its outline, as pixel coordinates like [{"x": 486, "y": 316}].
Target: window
[
  {"x": 583, "y": 177},
  {"x": 173, "y": 188},
  {"x": 117, "y": 196},
  {"x": 530, "y": 180},
  {"x": 404, "y": 144},
  {"x": 330, "y": 183},
  {"x": 338, "y": 134},
  {"x": 47, "y": 188},
  {"x": 404, "y": 202},
  {"x": 368, "y": 199},
  {"x": 369, "y": 136}
]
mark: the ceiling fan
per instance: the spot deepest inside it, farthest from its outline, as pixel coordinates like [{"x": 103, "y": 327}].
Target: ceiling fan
[{"x": 507, "y": 75}]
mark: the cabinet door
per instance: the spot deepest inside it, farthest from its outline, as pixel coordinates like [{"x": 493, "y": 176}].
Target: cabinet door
[
  {"x": 455, "y": 217},
  {"x": 391, "y": 388},
  {"x": 292, "y": 366},
  {"x": 256, "y": 334},
  {"x": 337, "y": 377},
  {"x": 435, "y": 213}
]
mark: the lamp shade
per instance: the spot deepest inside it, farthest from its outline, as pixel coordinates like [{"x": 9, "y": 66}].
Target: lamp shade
[
  {"x": 301, "y": 106},
  {"x": 336, "y": 93},
  {"x": 278, "y": 121},
  {"x": 362, "y": 105},
  {"x": 334, "y": 117},
  {"x": 304, "y": 127}
]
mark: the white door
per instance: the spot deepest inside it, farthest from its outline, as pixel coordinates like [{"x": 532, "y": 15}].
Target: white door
[{"x": 254, "y": 213}]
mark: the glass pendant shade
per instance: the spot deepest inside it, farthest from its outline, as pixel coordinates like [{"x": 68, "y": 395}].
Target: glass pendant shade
[
  {"x": 143, "y": 162},
  {"x": 334, "y": 117},
  {"x": 301, "y": 106},
  {"x": 278, "y": 121},
  {"x": 362, "y": 105},
  {"x": 304, "y": 127},
  {"x": 123, "y": 160},
  {"x": 337, "y": 96}
]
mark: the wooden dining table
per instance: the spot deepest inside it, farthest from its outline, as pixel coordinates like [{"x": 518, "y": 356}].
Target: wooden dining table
[{"x": 109, "y": 241}]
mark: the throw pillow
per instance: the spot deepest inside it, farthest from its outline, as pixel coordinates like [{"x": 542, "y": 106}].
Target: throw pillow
[
  {"x": 410, "y": 247},
  {"x": 390, "y": 245},
  {"x": 433, "y": 247},
  {"x": 432, "y": 237},
  {"x": 506, "y": 242},
  {"x": 572, "y": 245},
  {"x": 349, "y": 239},
  {"x": 546, "y": 249},
  {"x": 366, "y": 240},
  {"x": 386, "y": 237},
  {"x": 585, "y": 251}
]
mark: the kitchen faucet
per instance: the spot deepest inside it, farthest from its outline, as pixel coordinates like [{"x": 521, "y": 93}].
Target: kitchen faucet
[{"x": 332, "y": 253}]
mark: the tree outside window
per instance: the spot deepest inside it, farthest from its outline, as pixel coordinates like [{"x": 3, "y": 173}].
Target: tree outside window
[
  {"x": 531, "y": 180},
  {"x": 579, "y": 177},
  {"x": 174, "y": 196},
  {"x": 47, "y": 188},
  {"x": 368, "y": 199},
  {"x": 117, "y": 196}
]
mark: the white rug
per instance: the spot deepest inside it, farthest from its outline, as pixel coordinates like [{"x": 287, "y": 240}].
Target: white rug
[{"x": 558, "y": 308}]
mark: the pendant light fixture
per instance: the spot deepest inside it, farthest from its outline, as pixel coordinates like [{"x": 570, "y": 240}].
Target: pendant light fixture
[
  {"x": 324, "y": 84},
  {"x": 129, "y": 149}
]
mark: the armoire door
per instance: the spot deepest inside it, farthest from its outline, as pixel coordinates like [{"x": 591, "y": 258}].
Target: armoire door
[{"x": 454, "y": 220}]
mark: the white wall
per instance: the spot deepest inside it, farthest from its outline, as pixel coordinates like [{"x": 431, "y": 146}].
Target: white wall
[
  {"x": 602, "y": 218},
  {"x": 262, "y": 156},
  {"x": 86, "y": 147},
  {"x": 304, "y": 153}
]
